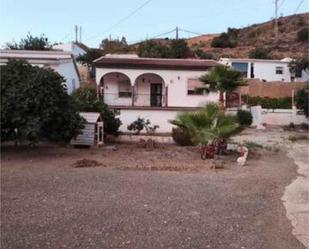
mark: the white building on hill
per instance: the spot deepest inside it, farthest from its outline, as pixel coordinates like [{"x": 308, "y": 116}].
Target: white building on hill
[
  {"x": 265, "y": 70},
  {"x": 61, "y": 62}
]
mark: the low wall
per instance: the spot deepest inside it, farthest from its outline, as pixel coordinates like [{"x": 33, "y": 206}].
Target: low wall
[
  {"x": 156, "y": 117},
  {"x": 130, "y": 138},
  {"x": 271, "y": 89}
]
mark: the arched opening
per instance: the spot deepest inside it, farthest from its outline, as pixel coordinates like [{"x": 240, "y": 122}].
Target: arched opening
[
  {"x": 116, "y": 89},
  {"x": 149, "y": 90}
]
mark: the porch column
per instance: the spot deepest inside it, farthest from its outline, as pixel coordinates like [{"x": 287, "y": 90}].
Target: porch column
[
  {"x": 166, "y": 96},
  {"x": 133, "y": 94}
]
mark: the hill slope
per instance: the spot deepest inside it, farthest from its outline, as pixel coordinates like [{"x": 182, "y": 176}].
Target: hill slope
[{"x": 262, "y": 35}]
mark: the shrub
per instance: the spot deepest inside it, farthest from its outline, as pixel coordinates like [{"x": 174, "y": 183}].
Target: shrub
[
  {"x": 226, "y": 39},
  {"x": 270, "y": 103},
  {"x": 87, "y": 101},
  {"x": 203, "y": 55},
  {"x": 244, "y": 117},
  {"x": 302, "y": 100},
  {"x": 259, "y": 53},
  {"x": 181, "y": 136},
  {"x": 303, "y": 35},
  {"x": 35, "y": 105},
  {"x": 139, "y": 124}
]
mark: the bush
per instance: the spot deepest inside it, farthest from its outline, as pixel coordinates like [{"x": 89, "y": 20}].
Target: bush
[
  {"x": 226, "y": 39},
  {"x": 270, "y": 103},
  {"x": 303, "y": 35},
  {"x": 181, "y": 136},
  {"x": 244, "y": 117},
  {"x": 139, "y": 124},
  {"x": 259, "y": 53},
  {"x": 87, "y": 101},
  {"x": 35, "y": 105},
  {"x": 302, "y": 100}
]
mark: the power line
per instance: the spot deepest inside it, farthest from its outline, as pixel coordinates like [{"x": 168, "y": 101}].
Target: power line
[
  {"x": 280, "y": 5},
  {"x": 300, "y": 4},
  {"x": 121, "y": 20}
]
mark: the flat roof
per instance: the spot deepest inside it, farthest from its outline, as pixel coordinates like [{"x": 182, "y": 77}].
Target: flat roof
[
  {"x": 35, "y": 54},
  {"x": 154, "y": 63},
  {"x": 254, "y": 60}
]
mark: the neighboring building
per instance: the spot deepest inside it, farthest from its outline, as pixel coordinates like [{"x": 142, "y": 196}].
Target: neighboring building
[
  {"x": 266, "y": 70},
  {"x": 155, "y": 89},
  {"x": 61, "y": 62},
  {"x": 75, "y": 48}
]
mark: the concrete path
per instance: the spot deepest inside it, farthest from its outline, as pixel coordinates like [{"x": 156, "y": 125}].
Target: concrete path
[{"x": 296, "y": 196}]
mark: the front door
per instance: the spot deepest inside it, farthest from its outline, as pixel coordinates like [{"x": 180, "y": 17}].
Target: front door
[{"x": 156, "y": 94}]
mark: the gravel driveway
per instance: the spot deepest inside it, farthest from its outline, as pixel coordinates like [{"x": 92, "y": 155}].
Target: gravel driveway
[{"x": 46, "y": 203}]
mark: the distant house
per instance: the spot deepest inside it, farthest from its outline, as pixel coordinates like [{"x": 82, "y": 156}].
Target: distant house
[
  {"x": 266, "y": 70},
  {"x": 152, "y": 88},
  {"x": 61, "y": 62},
  {"x": 75, "y": 48}
]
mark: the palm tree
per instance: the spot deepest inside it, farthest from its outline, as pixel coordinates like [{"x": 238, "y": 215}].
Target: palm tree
[
  {"x": 207, "y": 125},
  {"x": 222, "y": 79}
]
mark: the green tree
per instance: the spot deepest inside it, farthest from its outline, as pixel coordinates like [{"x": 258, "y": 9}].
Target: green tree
[
  {"x": 222, "y": 79},
  {"x": 91, "y": 55},
  {"x": 35, "y": 105},
  {"x": 31, "y": 43},
  {"x": 302, "y": 100},
  {"x": 227, "y": 39},
  {"x": 178, "y": 49},
  {"x": 88, "y": 101},
  {"x": 259, "y": 53},
  {"x": 207, "y": 125},
  {"x": 114, "y": 45},
  {"x": 152, "y": 49},
  {"x": 298, "y": 66}
]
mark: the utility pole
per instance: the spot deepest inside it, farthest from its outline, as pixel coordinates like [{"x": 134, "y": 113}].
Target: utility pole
[
  {"x": 76, "y": 33},
  {"x": 276, "y": 20},
  {"x": 80, "y": 34},
  {"x": 177, "y": 33}
]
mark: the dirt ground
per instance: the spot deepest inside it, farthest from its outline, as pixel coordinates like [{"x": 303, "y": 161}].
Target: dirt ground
[{"x": 169, "y": 198}]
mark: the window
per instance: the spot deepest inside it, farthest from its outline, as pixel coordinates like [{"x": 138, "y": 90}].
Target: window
[
  {"x": 125, "y": 89},
  {"x": 194, "y": 87},
  {"x": 279, "y": 70},
  {"x": 241, "y": 67}
]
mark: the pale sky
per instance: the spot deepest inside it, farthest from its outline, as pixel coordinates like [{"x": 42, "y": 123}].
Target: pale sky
[{"x": 101, "y": 18}]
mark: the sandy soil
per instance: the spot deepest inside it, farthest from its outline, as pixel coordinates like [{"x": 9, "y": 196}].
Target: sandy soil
[{"x": 47, "y": 203}]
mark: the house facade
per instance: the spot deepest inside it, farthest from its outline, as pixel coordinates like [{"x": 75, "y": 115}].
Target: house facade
[
  {"x": 75, "y": 48},
  {"x": 61, "y": 62},
  {"x": 265, "y": 70},
  {"x": 152, "y": 88}
]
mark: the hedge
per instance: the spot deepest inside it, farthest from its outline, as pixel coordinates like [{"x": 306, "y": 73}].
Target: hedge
[{"x": 270, "y": 103}]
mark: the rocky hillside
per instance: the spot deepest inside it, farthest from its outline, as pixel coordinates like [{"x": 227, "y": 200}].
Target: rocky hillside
[{"x": 290, "y": 43}]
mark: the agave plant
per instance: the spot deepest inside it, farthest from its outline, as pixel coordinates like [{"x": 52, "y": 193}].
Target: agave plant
[{"x": 207, "y": 125}]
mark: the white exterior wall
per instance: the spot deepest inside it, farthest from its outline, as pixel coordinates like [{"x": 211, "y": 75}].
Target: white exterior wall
[
  {"x": 68, "y": 71},
  {"x": 176, "y": 80},
  {"x": 267, "y": 71},
  {"x": 156, "y": 117},
  {"x": 70, "y": 47},
  {"x": 264, "y": 70}
]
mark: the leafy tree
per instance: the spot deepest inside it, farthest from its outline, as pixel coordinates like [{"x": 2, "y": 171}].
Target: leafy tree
[
  {"x": 31, "y": 43},
  {"x": 302, "y": 100},
  {"x": 297, "y": 66},
  {"x": 226, "y": 39},
  {"x": 114, "y": 45},
  {"x": 35, "y": 105},
  {"x": 178, "y": 49},
  {"x": 259, "y": 53},
  {"x": 222, "y": 79},
  {"x": 152, "y": 49},
  {"x": 88, "y": 101},
  {"x": 206, "y": 125},
  {"x": 90, "y": 56}
]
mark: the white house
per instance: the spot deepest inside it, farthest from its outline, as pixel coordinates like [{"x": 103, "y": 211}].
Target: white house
[
  {"x": 61, "y": 62},
  {"x": 152, "y": 88},
  {"x": 75, "y": 48},
  {"x": 266, "y": 70}
]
